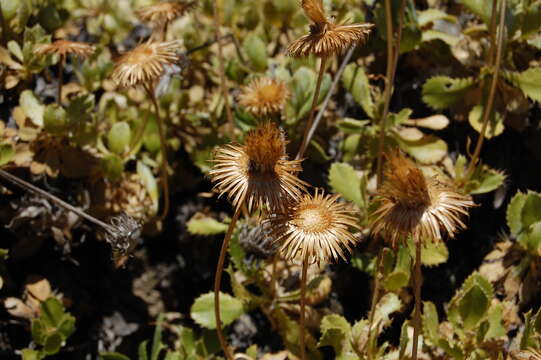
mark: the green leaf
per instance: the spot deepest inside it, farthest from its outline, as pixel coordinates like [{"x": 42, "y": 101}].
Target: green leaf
[
  {"x": 147, "y": 178},
  {"x": 32, "y": 107},
  {"x": 200, "y": 224},
  {"x": 513, "y": 214},
  {"x": 428, "y": 150},
  {"x": 142, "y": 350},
  {"x": 431, "y": 322},
  {"x": 6, "y": 153},
  {"x": 431, "y": 15},
  {"x": 107, "y": 355},
  {"x": 495, "y": 122},
  {"x": 353, "y": 126},
  {"x": 30, "y": 354},
  {"x": 531, "y": 211},
  {"x": 473, "y": 306},
  {"x": 52, "y": 312},
  {"x": 356, "y": 82},
  {"x": 257, "y": 52},
  {"x": 481, "y": 8},
  {"x": 434, "y": 122},
  {"x": 335, "y": 332},
  {"x": 157, "y": 345},
  {"x": 119, "y": 137},
  {"x": 531, "y": 238},
  {"x": 344, "y": 180},
  {"x": 202, "y": 311},
  {"x": 55, "y": 119},
  {"x": 495, "y": 323},
  {"x": 38, "y": 330},
  {"x": 432, "y": 252},
  {"x": 528, "y": 81},
  {"x": 441, "y": 92},
  {"x": 396, "y": 280},
  {"x": 52, "y": 344},
  {"x": 486, "y": 180},
  {"x": 112, "y": 166},
  {"x": 387, "y": 305}
]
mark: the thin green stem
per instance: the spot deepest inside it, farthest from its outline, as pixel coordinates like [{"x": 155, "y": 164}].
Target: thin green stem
[
  {"x": 392, "y": 60},
  {"x": 304, "y": 143},
  {"x": 417, "y": 313},
  {"x": 163, "y": 148},
  {"x": 218, "y": 281},
  {"x": 303, "y": 307},
  {"x": 492, "y": 92}
]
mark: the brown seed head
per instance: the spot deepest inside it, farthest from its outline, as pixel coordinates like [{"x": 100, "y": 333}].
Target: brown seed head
[
  {"x": 145, "y": 64},
  {"x": 325, "y": 37},
  {"x": 258, "y": 171},
  {"x": 411, "y": 204},
  {"x": 264, "y": 96},
  {"x": 316, "y": 227},
  {"x": 164, "y": 12},
  {"x": 65, "y": 47}
]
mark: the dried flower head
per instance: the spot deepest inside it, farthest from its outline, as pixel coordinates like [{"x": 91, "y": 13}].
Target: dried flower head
[
  {"x": 145, "y": 64},
  {"x": 317, "y": 228},
  {"x": 65, "y": 47},
  {"x": 264, "y": 96},
  {"x": 325, "y": 37},
  {"x": 164, "y": 12},
  {"x": 258, "y": 171},
  {"x": 410, "y": 203}
]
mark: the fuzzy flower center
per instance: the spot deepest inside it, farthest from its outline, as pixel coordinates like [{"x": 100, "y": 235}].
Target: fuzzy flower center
[
  {"x": 269, "y": 93},
  {"x": 264, "y": 147},
  {"x": 313, "y": 219}
]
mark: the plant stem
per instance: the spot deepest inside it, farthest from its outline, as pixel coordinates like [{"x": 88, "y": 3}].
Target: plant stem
[
  {"x": 308, "y": 126},
  {"x": 164, "y": 31},
  {"x": 218, "y": 281},
  {"x": 335, "y": 82},
  {"x": 4, "y": 40},
  {"x": 221, "y": 60},
  {"x": 375, "y": 298},
  {"x": 61, "y": 203},
  {"x": 163, "y": 148},
  {"x": 60, "y": 79},
  {"x": 417, "y": 313},
  {"x": 303, "y": 307},
  {"x": 392, "y": 60},
  {"x": 492, "y": 29},
  {"x": 492, "y": 92}
]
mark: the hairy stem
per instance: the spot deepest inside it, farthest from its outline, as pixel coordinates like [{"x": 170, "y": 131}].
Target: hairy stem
[
  {"x": 218, "y": 281},
  {"x": 304, "y": 143},
  {"x": 392, "y": 60},
  {"x": 60, "y": 79},
  {"x": 492, "y": 92},
  {"x": 303, "y": 307},
  {"x": 221, "y": 60},
  {"x": 417, "y": 313},
  {"x": 46, "y": 195},
  {"x": 163, "y": 149}
]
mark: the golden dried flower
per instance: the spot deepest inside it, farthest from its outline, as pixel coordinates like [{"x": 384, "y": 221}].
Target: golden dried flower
[
  {"x": 264, "y": 96},
  {"x": 258, "y": 171},
  {"x": 412, "y": 204},
  {"x": 65, "y": 47},
  {"x": 325, "y": 37},
  {"x": 145, "y": 64},
  {"x": 316, "y": 228},
  {"x": 164, "y": 12}
]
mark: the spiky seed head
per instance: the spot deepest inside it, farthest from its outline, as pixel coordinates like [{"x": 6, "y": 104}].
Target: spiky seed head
[
  {"x": 411, "y": 204},
  {"x": 164, "y": 12},
  {"x": 64, "y": 48},
  {"x": 145, "y": 63},
  {"x": 326, "y": 38},
  {"x": 264, "y": 96},
  {"x": 258, "y": 171},
  {"x": 314, "y": 228}
]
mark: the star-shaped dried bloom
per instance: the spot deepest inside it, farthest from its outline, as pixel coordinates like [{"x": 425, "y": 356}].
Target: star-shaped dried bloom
[
  {"x": 315, "y": 228},
  {"x": 259, "y": 171},
  {"x": 64, "y": 48},
  {"x": 411, "y": 204},
  {"x": 164, "y": 12},
  {"x": 145, "y": 64},
  {"x": 264, "y": 96},
  {"x": 325, "y": 37}
]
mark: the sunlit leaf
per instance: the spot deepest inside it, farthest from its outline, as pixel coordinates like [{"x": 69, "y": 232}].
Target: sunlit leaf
[{"x": 202, "y": 310}]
